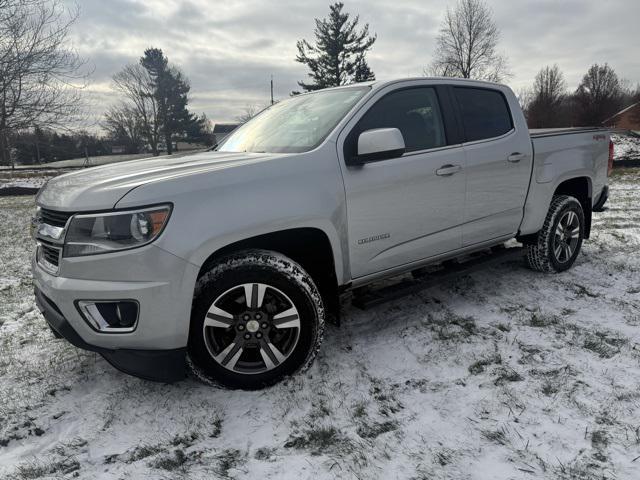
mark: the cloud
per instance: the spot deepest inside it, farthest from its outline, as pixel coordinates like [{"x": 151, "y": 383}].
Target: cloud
[{"x": 229, "y": 50}]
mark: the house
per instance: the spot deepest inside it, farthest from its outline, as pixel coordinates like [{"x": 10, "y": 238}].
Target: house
[
  {"x": 626, "y": 119},
  {"x": 221, "y": 130}
]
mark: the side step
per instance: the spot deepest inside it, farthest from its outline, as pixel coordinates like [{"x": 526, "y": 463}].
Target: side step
[{"x": 367, "y": 298}]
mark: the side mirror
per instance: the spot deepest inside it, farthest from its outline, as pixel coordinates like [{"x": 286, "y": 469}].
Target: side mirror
[{"x": 379, "y": 144}]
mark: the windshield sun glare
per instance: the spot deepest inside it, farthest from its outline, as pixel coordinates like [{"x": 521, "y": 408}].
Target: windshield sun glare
[{"x": 298, "y": 124}]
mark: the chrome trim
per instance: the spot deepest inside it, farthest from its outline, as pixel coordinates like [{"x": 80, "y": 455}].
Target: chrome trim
[
  {"x": 431, "y": 150},
  {"x": 44, "y": 263},
  {"x": 96, "y": 321},
  {"x": 50, "y": 232},
  {"x": 51, "y": 236},
  {"x": 491, "y": 139}
]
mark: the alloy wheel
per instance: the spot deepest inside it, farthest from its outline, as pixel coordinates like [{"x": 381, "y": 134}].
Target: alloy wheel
[
  {"x": 566, "y": 237},
  {"x": 251, "y": 328}
]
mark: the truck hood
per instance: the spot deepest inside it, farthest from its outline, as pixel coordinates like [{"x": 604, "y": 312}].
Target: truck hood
[{"x": 100, "y": 188}]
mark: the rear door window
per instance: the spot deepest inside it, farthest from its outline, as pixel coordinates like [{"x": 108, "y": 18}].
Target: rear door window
[
  {"x": 485, "y": 113},
  {"x": 415, "y": 112}
]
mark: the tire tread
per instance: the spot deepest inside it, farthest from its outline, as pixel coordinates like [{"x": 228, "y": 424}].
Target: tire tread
[{"x": 539, "y": 253}]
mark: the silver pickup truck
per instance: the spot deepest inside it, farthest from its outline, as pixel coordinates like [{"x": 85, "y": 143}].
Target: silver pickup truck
[{"x": 226, "y": 263}]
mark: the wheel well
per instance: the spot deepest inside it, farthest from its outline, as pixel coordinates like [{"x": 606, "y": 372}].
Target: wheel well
[
  {"x": 579, "y": 188},
  {"x": 310, "y": 247}
]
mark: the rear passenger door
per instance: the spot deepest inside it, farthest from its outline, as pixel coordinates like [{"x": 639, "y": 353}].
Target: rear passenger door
[
  {"x": 498, "y": 158},
  {"x": 404, "y": 209}
]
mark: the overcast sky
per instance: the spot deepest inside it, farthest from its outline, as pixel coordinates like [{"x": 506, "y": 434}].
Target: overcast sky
[{"x": 229, "y": 49}]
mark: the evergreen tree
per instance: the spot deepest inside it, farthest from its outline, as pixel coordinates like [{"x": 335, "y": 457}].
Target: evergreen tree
[
  {"x": 338, "y": 56},
  {"x": 171, "y": 91}
]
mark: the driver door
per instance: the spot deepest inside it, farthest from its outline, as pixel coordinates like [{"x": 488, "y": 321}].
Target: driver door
[{"x": 405, "y": 209}]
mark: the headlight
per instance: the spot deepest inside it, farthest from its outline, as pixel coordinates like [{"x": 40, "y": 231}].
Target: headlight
[{"x": 109, "y": 232}]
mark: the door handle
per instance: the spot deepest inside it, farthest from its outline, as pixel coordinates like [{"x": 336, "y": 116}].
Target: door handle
[
  {"x": 515, "y": 157},
  {"x": 448, "y": 170}
]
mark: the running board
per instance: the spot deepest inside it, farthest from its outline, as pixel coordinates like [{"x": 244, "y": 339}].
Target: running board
[{"x": 367, "y": 298}]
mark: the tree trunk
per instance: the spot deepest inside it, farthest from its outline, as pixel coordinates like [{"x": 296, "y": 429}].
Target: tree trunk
[
  {"x": 167, "y": 140},
  {"x": 38, "y": 151},
  {"x": 4, "y": 149}
]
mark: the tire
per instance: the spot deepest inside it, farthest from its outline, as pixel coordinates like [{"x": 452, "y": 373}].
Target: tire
[
  {"x": 558, "y": 243},
  {"x": 257, "y": 317}
]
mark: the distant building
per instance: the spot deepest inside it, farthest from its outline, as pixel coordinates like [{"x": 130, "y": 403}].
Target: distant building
[
  {"x": 117, "y": 149},
  {"x": 221, "y": 130},
  {"x": 627, "y": 119}
]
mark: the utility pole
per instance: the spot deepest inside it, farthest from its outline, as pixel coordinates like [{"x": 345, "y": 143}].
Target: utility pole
[{"x": 271, "y": 89}]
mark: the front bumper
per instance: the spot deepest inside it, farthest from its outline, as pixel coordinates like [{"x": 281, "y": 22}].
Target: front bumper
[
  {"x": 161, "y": 283},
  {"x": 157, "y": 365}
]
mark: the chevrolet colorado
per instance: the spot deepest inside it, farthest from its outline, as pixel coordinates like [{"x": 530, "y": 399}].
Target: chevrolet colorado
[{"x": 227, "y": 262}]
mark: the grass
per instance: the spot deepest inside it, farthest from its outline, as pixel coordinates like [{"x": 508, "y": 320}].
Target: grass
[
  {"x": 599, "y": 439},
  {"x": 479, "y": 366},
  {"x": 227, "y": 460},
  {"x": 373, "y": 430},
  {"x": 549, "y": 389},
  {"x": 318, "y": 440},
  {"x": 506, "y": 366},
  {"x": 507, "y": 375},
  {"x": 265, "y": 453},
  {"x": 170, "y": 461},
  {"x": 604, "y": 344},
  {"x": 40, "y": 468},
  {"x": 495, "y": 436},
  {"x": 449, "y": 326},
  {"x": 542, "y": 320}
]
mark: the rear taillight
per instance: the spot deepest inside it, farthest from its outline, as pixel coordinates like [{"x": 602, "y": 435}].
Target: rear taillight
[{"x": 610, "y": 158}]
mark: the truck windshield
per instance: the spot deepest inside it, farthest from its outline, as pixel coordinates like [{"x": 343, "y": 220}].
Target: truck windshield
[{"x": 295, "y": 125}]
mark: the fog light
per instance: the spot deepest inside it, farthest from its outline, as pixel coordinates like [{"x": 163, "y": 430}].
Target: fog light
[{"x": 111, "y": 316}]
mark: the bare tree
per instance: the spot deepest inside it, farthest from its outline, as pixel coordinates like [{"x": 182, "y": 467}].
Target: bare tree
[
  {"x": 547, "y": 107},
  {"x": 635, "y": 99},
  {"x": 123, "y": 125},
  {"x": 135, "y": 83},
  {"x": 40, "y": 74},
  {"x": 525, "y": 97},
  {"x": 467, "y": 44},
  {"x": 249, "y": 112},
  {"x": 598, "y": 96}
]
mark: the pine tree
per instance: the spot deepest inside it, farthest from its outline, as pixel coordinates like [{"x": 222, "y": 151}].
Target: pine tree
[
  {"x": 338, "y": 56},
  {"x": 171, "y": 91}
]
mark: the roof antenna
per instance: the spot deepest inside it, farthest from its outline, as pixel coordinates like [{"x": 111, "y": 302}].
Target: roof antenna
[{"x": 272, "y": 89}]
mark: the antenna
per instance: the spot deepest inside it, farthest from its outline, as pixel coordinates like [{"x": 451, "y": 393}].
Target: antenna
[{"x": 271, "y": 89}]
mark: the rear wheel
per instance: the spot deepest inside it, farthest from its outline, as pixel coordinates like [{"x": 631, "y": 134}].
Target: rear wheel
[
  {"x": 257, "y": 318},
  {"x": 558, "y": 243}
]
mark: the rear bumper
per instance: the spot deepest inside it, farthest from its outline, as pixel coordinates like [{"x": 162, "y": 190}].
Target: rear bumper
[{"x": 156, "y": 365}]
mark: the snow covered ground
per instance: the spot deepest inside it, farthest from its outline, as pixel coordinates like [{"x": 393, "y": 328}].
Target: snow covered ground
[
  {"x": 27, "y": 179},
  {"x": 504, "y": 373},
  {"x": 627, "y": 148},
  {"x": 105, "y": 159}
]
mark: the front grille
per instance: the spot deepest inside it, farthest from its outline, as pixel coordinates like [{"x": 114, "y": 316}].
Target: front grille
[
  {"x": 50, "y": 253},
  {"x": 52, "y": 217}
]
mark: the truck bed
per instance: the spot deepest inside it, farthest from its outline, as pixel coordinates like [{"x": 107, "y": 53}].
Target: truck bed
[
  {"x": 560, "y": 154},
  {"x": 550, "y": 132}
]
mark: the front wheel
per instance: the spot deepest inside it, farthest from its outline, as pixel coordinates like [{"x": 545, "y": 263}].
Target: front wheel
[
  {"x": 257, "y": 317},
  {"x": 558, "y": 243}
]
